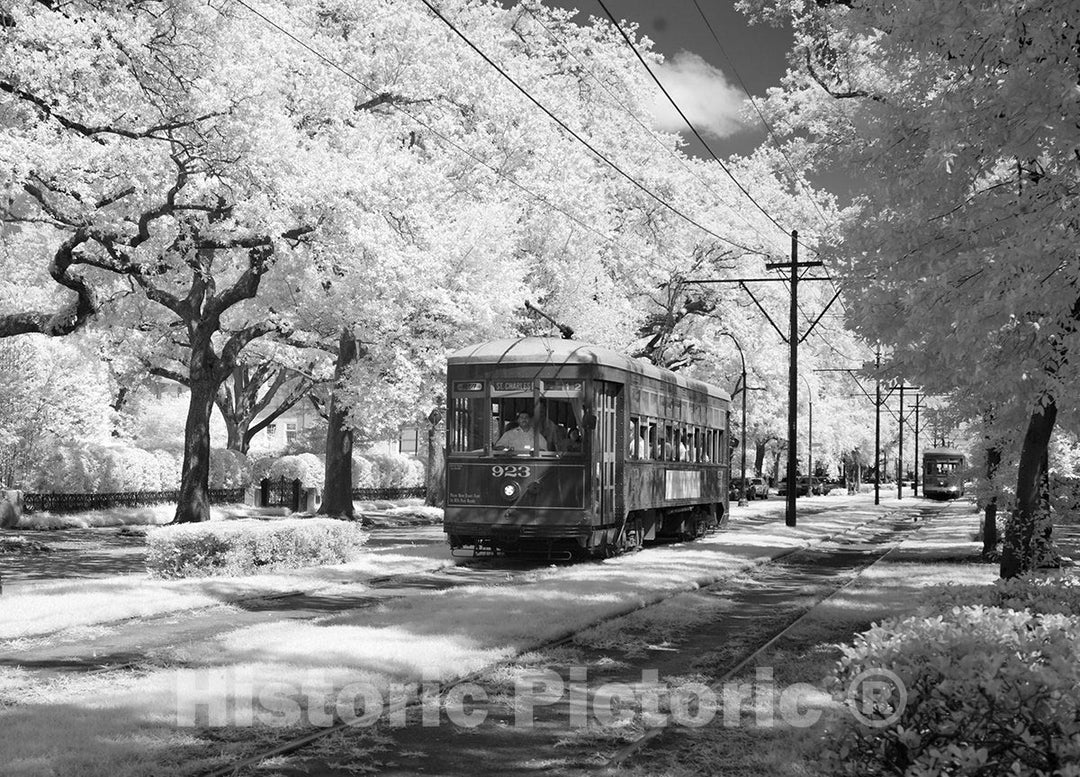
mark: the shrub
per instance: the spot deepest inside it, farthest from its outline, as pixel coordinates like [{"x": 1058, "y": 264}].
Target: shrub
[
  {"x": 305, "y": 466},
  {"x": 68, "y": 469},
  {"x": 171, "y": 466},
  {"x": 396, "y": 470},
  {"x": 87, "y": 468},
  {"x": 249, "y": 546},
  {"x": 363, "y": 473},
  {"x": 989, "y": 692},
  {"x": 128, "y": 469},
  {"x": 229, "y": 469},
  {"x": 260, "y": 468},
  {"x": 1057, "y": 593}
]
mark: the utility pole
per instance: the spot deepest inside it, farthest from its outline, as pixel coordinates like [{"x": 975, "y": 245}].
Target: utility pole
[
  {"x": 877, "y": 433},
  {"x": 793, "y": 381},
  {"x": 900, "y": 451},
  {"x": 810, "y": 437},
  {"x": 793, "y": 367},
  {"x": 915, "y": 483},
  {"x": 793, "y": 339}
]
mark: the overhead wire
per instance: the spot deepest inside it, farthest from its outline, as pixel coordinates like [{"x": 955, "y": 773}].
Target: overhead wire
[
  {"x": 450, "y": 142},
  {"x": 697, "y": 135},
  {"x": 768, "y": 128},
  {"x": 630, "y": 112},
  {"x": 796, "y": 178},
  {"x": 689, "y": 123},
  {"x": 578, "y": 137}
]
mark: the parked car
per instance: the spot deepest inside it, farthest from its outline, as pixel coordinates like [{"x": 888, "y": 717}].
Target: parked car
[
  {"x": 824, "y": 486},
  {"x": 802, "y": 487},
  {"x": 759, "y": 487}
]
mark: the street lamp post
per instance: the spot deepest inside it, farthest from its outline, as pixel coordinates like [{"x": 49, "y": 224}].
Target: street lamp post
[
  {"x": 742, "y": 360},
  {"x": 809, "y": 432}
]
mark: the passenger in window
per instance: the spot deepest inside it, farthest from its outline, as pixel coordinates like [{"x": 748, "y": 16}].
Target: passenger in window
[
  {"x": 573, "y": 440},
  {"x": 554, "y": 434},
  {"x": 702, "y": 448},
  {"x": 522, "y": 437},
  {"x": 684, "y": 447}
]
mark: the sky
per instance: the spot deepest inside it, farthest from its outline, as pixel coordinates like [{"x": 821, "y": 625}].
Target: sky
[{"x": 702, "y": 73}]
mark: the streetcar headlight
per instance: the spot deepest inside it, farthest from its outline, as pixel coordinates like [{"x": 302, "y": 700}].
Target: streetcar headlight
[{"x": 510, "y": 490}]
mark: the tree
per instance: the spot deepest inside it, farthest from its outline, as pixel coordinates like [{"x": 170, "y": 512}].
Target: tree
[
  {"x": 957, "y": 124},
  {"x": 50, "y": 392},
  {"x": 143, "y": 139},
  {"x": 254, "y": 389}
]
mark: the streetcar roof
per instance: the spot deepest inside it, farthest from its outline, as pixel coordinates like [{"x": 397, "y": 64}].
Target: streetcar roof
[
  {"x": 943, "y": 452},
  {"x": 545, "y": 350}
]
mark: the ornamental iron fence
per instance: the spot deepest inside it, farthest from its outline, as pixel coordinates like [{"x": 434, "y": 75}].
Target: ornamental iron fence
[
  {"x": 73, "y": 503},
  {"x": 415, "y": 492}
]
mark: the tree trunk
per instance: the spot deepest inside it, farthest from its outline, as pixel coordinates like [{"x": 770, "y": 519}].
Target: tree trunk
[
  {"x": 990, "y": 536},
  {"x": 337, "y": 486},
  {"x": 759, "y": 457},
  {"x": 194, "y": 503},
  {"x": 234, "y": 437},
  {"x": 435, "y": 484},
  {"x": 1022, "y": 536}
]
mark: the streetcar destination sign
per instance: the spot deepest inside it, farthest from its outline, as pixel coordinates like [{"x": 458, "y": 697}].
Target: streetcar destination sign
[{"x": 512, "y": 385}]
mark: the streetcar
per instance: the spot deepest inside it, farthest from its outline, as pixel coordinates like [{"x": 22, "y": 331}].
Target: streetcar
[
  {"x": 943, "y": 473},
  {"x": 569, "y": 450}
]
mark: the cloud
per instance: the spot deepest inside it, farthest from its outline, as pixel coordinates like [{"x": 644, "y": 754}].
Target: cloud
[{"x": 704, "y": 94}]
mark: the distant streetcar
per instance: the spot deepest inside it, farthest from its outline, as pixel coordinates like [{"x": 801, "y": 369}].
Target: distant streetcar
[
  {"x": 943, "y": 473},
  {"x": 568, "y": 449}
]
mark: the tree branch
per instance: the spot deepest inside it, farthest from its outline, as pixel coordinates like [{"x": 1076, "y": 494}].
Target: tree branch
[
  {"x": 833, "y": 93},
  {"x": 155, "y": 132}
]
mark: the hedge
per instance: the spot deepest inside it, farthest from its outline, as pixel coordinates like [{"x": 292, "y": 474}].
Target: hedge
[
  {"x": 250, "y": 546},
  {"x": 989, "y": 688},
  {"x": 88, "y": 468}
]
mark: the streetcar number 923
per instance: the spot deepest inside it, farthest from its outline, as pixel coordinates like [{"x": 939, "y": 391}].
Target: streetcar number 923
[{"x": 500, "y": 471}]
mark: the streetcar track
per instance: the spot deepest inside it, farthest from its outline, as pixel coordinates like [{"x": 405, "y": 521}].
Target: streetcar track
[{"x": 717, "y": 684}]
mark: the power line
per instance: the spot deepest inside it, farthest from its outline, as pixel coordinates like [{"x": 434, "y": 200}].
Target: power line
[
  {"x": 708, "y": 148},
  {"x": 690, "y": 124},
  {"x": 499, "y": 173},
  {"x": 760, "y": 115},
  {"x": 577, "y": 137},
  {"x": 795, "y": 175},
  {"x": 649, "y": 131}
]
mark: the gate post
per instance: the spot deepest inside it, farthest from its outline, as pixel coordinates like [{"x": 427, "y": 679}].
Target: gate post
[
  {"x": 294, "y": 502},
  {"x": 264, "y": 492}
]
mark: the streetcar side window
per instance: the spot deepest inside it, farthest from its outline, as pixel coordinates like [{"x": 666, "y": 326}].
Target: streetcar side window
[
  {"x": 700, "y": 446},
  {"x": 665, "y": 452},
  {"x": 466, "y": 428}
]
